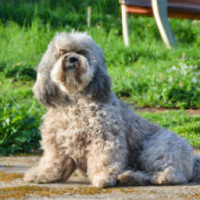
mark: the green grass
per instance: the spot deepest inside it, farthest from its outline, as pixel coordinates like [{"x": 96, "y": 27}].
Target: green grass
[
  {"x": 60, "y": 12},
  {"x": 180, "y": 122},
  {"x": 146, "y": 73}
]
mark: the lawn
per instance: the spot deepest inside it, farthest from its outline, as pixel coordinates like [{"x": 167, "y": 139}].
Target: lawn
[{"x": 146, "y": 73}]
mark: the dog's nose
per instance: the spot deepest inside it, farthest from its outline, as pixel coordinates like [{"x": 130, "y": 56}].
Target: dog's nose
[
  {"x": 73, "y": 60},
  {"x": 72, "y": 63}
]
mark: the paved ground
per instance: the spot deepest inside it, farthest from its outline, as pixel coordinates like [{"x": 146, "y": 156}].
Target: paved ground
[{"x": 13, "y": 187}]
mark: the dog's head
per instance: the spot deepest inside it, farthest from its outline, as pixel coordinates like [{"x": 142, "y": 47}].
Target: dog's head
[{"x": 73, "y": 65}]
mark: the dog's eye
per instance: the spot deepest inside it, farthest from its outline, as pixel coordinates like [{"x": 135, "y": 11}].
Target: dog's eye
[
  {"x": 82, "y": 52},
  {"x": 63, "y": 51}
]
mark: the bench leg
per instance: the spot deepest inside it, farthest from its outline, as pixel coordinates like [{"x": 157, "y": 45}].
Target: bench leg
[
  {"x": 160, "y": 14},
  {"x": 125, "y": 25}
]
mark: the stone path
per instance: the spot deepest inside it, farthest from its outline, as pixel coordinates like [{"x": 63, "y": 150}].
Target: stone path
[{"x": 12, "y": 186}]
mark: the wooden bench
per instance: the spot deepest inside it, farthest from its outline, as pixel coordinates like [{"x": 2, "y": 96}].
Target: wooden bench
[{"x": 161, "y": 10}]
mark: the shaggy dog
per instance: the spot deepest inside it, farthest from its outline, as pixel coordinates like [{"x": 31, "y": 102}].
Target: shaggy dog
[{"x": 88, "y": 129}]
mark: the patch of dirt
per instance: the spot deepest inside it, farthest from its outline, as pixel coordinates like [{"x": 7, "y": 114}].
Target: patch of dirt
[
  {"x": 152, "y": 110},
  {"x": 163, "y": 110},
  {"x": 193, "y": 112}
]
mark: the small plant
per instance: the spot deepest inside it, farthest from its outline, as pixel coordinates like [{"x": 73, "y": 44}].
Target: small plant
[
  {"x": 20, "y": 71},
  {"x": 18, "y": 130}
]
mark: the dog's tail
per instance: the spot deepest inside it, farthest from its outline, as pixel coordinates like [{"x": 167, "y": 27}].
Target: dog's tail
[{"x": 196, "y": 170}]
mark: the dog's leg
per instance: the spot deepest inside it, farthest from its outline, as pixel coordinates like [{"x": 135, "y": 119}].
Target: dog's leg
[
  {"x": 105, "y": 165},
  {"x": 130, "y": 177},
  {"x": 103, "y": 176},
  {"x": 168, "y": 158},
  {"x": 169, "y": 176},
  {"x": 52, "y": 168}
]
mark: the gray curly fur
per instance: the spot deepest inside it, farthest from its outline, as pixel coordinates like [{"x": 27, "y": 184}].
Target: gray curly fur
[{"x": 86, "y": 128}]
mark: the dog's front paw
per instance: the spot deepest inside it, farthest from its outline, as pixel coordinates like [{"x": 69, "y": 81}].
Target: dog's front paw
[
  {"x": 36, "y": 175},
  {"x": 102, "y": 183},
  {"x": 31, "y": 175}
]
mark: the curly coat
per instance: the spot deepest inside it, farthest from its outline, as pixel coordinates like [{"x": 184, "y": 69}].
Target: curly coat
[{"x": 86, "y": 128}]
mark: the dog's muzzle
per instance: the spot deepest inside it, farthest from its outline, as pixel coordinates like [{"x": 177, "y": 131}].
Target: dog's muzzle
[{"x": 71, "y": 64}]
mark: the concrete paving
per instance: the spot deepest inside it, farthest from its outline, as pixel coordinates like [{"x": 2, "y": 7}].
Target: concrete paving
[{"x": 12, "y": 186}]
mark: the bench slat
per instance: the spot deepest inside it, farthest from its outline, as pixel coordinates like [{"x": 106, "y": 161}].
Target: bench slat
[
  {"x": 140, "y": 3},
  {"x": 192, "y": 3},
  {"x": 183, "y": 5}
]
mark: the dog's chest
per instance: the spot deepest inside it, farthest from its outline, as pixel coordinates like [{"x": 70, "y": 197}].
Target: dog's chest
[{"x": 83, "y": 125}]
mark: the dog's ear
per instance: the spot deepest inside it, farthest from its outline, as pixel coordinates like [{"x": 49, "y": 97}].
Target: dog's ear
[
  {"x": 100, "y": 86},
  {"x": 45, "y": 89}
]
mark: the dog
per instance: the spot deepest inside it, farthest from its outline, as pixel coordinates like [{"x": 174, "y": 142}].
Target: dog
[{"x": 87, "y": 129}]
